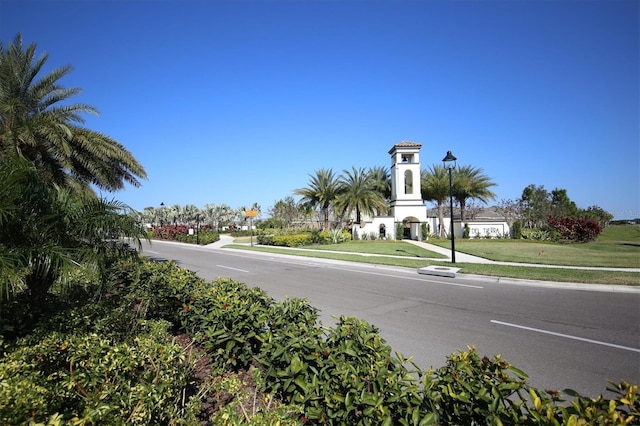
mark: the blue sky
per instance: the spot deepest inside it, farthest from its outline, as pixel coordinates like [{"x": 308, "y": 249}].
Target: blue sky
[{"x": 237, "y": 102}]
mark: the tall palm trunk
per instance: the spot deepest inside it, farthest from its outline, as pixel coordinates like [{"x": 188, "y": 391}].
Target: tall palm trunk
[
  {"x": 463, "y": 210},
  {"x": 441, "y": 229}
]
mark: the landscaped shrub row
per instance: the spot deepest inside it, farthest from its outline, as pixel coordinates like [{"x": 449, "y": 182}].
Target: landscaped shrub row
[
  {"x": 182, "y": 233},
  {"x": 297, "y": 238},
  {"x": 162, "y": 346}
]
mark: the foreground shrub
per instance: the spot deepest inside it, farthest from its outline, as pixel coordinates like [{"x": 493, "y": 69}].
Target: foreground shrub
[
  {"x": 341, "y": 375},
  {"x": 474, "y": 390},
  {"x": 241, "y": 402},
  {"x": 471, "y": 389},
  {"x": 153, "y": 290},
  {"x": 227, "y": 318},
  {"x": 87, "y": 379},
  {"x": 249, "y": 360}
]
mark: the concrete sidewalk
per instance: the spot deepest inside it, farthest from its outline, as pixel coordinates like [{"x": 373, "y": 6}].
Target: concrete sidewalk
[
  {"x": 223, "y": 241},
  {"x": 460, "y": 257}
]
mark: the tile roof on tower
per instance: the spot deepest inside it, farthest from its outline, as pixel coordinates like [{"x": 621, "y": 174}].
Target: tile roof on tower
[{"x": 405, "y": 144}]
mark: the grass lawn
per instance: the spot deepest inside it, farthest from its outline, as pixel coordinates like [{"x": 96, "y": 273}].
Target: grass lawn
[
  {"x": 618, "y": 246},
  {"x": 384, "y": 247},
  {"x": 602, "y": 254}
]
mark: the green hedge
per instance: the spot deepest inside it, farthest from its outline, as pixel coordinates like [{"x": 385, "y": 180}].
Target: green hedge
[
  {"x": 182, "y": 233},
  {"x": 297, "y": 238},
  {"x": 205, "y": 237}
]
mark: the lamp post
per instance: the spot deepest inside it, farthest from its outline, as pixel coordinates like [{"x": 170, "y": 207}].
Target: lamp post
[
  {"x": 450, "y": 162},
  {"x": 161, "y": 214},
  {"x": 198, "y": 229}
]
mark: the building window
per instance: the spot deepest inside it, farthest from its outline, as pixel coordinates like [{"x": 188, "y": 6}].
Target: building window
[{"x": 408, "y": 182}]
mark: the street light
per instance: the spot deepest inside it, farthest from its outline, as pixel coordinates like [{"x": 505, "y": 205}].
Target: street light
[
  {"x": 450, "y": 162},
  {"x": 161, "y": 214},
  {"x": 198, "y": 229}
]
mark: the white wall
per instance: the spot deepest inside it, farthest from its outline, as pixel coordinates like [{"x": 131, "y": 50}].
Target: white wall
[
  {"x": 488, "y": 229},
  {"x": 372, "y": 226}
]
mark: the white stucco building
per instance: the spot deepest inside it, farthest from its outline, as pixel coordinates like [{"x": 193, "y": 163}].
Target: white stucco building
[{"x": 408, "y": 211}]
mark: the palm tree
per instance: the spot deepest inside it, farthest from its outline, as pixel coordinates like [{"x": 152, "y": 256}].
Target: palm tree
[
  {"x": 357, "y": 192},
  {"x": 322, "y": 191},
  {"x": 218, "y": 214},
  {"x": 150, "y": 215},
  {"x": 48, "y": 231},
  {"x": 189, "y": 213},
  {"x": 174, "y": 214},
  {"x": 39, "y": 124},
  {"x": 470, "y": 183},
  {"x": 434, "y": 183},
  {"x": 381, "y": 180}
]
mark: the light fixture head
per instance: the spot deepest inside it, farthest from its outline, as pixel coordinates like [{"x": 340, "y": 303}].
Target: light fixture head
[{"x": 449, "y": 159}]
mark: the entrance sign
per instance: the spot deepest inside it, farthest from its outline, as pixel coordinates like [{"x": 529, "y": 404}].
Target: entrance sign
[{"x": 251, "y": 214}]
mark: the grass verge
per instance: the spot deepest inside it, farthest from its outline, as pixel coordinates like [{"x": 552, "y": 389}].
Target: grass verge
[
  {"x": 520, "y": 272},
  {"x": 610, "y": 254}
]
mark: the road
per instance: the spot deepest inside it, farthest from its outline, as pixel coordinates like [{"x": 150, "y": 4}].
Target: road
[{"x": 563, "y": 338}]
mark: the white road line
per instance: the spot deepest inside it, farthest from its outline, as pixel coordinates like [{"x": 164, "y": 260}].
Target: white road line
[
  {"x": 229, "y": 267},
  {"x": 566, "y": 336}
]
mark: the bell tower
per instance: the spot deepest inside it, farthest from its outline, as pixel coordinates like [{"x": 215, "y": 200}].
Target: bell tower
[{"x": 406, "y": 194}]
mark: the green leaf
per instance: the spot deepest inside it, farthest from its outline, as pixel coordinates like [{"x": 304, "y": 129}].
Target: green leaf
[
  {"x": 302, "y": 384},
  {"x": 429, "y": 419},
  {"x": 521, "y": 374},
  {"x": 347, "y": 402},
  {"x": 296, "y": 364}
]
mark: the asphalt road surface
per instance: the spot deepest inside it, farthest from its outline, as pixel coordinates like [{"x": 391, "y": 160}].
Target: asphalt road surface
[{"x": 561, "y": 337}]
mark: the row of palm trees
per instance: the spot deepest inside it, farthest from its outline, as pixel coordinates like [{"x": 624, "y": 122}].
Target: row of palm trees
[
  {"x": 51, "y": 221},
  {"x": 216, "y": 215},
  {"x": 368, "y": 191},
  {"x": 359, "y": 189}
]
